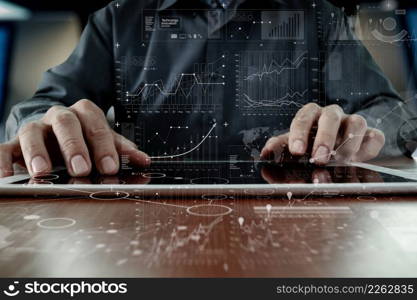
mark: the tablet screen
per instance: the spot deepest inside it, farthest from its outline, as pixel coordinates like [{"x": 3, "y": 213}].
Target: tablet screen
[{"x": 215, "y": 173}]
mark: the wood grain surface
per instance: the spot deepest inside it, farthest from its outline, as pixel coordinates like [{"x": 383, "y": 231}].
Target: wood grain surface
[{"x": 214, "y": 236}]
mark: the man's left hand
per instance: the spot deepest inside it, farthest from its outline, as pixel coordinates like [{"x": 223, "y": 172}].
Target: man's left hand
[{"x": 340, "y": 136}]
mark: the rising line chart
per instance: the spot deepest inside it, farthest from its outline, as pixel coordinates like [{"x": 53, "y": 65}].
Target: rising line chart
[
  {"x": 272, "y": 82},
  {"x": 171, "y": 156}
]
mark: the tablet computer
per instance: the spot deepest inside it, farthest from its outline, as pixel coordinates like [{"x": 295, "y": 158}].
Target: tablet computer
[{"x": 200, "y": 178}]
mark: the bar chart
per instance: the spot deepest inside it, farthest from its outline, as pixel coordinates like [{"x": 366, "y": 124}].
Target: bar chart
[{"x": 283, "y": 25}]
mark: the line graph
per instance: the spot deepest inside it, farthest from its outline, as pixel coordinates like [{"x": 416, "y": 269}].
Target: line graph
[
  {"x": 186, "y": 92},
  {"x": 261, "y": 234},
  {"x": 185, "y": 153},
  {"x": 254, "y": 241},
  {"x": 287, "y": 100},
  {"x": 278, "y": 68},
  {"x": 197, "y": 88},
  {"x": 272, "y": 82}
]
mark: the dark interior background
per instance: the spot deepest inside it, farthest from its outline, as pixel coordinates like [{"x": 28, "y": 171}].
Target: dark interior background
[
  {"x": 89, "y": 6},
  {"x": 52, "y": 30}
]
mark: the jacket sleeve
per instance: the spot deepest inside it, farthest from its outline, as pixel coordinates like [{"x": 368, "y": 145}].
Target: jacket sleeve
[
  {"x": 86, "y": 74},
  {"x": 354, "y": 81}
]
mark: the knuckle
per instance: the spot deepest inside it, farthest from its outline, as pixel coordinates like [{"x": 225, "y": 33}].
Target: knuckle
[
  {"x": 31, "y": 149},
  {"x": 53, "y": 110},
  {"x": 306, "y": 114},
  {"x": 86, "y": 105},
  {"x": 332, "y": 115},
  {"x": 301, "y": 117},
  {"x": 336, "y": 108},
  {"x": 299, "y": 124},
  {"x": 71, "y": 145},
  {"x": 99, "y": 132},
  {"x": 64, "y": 118},
  {"x": 90, "y": 110},
  {"x": 378, "y": 135},
  {"x": 358, "y": 121},
  {"x": 83, "y": 103},
  {"x": 29, "y": 128},
  {"x": 325, "y": 138},
  {"x": 312, "y": 106},
  {"x": 302, "y": 120}
]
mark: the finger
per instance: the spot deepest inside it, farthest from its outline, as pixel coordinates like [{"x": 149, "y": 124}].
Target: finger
[
  {"x": 274, "y": 148},
  {"x": 99, "y": 136},
  {"x": 371, "y": 146},
  {"x": 354, "y": 133},
  {"x": 327, "y": 132},
  {"x": 129, "y": 152},
  {"x": 69, "y": 135},
  {"x": 6, "y": 160},
  {"x": 301, "y": 127},
  {"x": 32, "y": 143}
]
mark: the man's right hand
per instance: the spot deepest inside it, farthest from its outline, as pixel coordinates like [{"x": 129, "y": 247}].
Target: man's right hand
[{"x": 79, "y": 134}]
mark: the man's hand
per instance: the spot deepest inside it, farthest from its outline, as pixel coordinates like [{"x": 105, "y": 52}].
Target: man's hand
[
  {"x": 79, "y": 134},
  {"x": 344, "y": 137}
]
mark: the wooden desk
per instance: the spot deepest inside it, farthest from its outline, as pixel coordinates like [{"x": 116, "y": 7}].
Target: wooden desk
[{"x": 215, "y": 236}]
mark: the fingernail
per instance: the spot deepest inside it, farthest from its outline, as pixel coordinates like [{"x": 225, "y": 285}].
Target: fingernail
[
  {"x": 322, "y": 155},
  {"x": 108, "y": 165},
  {"x": 79, "y": 165},
  {"x": 39, "y": 165},
  {"x": 298, "y": 146}
]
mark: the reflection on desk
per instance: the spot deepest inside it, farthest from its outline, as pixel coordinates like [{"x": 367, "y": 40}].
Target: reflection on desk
[{"x": 216, "y": 235}]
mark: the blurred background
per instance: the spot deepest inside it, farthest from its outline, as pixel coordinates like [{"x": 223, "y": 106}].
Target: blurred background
[{"x": 38, "y": 34}]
